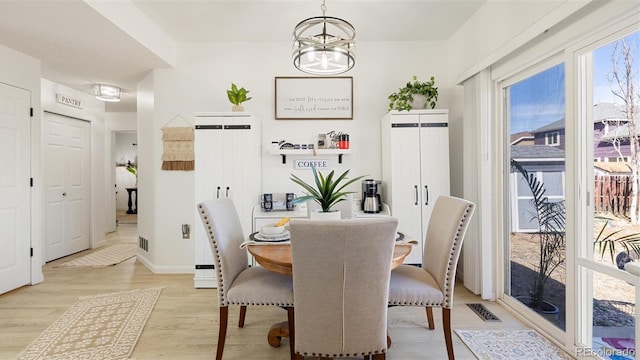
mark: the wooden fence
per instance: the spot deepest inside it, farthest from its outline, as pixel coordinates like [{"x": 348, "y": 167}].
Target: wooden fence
[{"x": 612, "y": 194}]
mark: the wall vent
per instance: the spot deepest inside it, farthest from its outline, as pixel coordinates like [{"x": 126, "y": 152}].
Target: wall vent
[{"x": 143, "y": 243}]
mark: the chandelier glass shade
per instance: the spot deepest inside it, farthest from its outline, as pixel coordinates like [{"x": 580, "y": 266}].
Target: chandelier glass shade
[
  {"x": 106, "y": 92},
  {"x": 324, "y": 45}
]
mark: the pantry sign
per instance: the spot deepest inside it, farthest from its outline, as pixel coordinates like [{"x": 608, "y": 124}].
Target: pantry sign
[{"x": 303, "y": 164}]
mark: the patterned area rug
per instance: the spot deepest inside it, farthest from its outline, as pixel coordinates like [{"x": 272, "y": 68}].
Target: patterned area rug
[
  {"x": 98, "y": 327},
  {"x": 509, "y": 345},
  {"x": 109, "y": 256}
]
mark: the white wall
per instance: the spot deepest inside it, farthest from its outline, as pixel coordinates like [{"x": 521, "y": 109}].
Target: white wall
[
  {"x": 121, "y": 121},
  {"x": 147, "y": 165},
  {"x": 92, "y": 111},
  {"x": 19, "y": 70},
  {"x": 199, "y": 83}
]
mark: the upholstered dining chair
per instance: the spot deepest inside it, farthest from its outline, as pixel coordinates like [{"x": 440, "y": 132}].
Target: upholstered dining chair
[
  {"x": 432, "y": 285},
  {"x": 341, "y": 271},
  {"x": 239, "y": 284}
]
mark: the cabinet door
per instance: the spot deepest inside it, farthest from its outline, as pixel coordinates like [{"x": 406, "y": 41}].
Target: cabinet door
[
  {"x": 434, "y": 161},
  {"x": 208, "y": 148},
  {"x": 405, "y": 171},
  {"x": 242, "y": 167}
]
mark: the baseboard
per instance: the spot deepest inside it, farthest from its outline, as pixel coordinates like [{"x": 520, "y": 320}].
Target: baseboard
[{"x": 163, "y": 269}]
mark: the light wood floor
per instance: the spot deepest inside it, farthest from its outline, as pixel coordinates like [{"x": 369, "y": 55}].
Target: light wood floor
[{"x": 184, "y": 323}]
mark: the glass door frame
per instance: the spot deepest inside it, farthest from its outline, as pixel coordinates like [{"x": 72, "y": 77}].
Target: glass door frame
[
  {"x": 502, "y": 164},
  {"x": 583, "y": 207},
  {"x": 578, "y": 169}
]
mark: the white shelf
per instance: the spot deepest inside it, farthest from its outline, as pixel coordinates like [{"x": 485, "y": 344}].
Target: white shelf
[{"x": 285, "y": 152}]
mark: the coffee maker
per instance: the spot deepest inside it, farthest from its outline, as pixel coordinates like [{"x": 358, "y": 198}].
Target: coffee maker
[{"x": 371, "y": 199}]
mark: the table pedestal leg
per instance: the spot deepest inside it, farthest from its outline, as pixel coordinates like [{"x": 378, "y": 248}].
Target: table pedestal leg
[{"x": 277, "y": 332}]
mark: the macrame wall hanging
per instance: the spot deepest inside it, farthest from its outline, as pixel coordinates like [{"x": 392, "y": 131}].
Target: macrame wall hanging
[{"x": 177, "y": 148}]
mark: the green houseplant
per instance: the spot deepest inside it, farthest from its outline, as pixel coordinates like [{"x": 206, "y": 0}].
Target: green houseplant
[
  {"x": 403, "y": 99},
  {"x": 132, "y": 168},
  {"x": 328, "y": 190},
  {"x": 237, "y": 96}
]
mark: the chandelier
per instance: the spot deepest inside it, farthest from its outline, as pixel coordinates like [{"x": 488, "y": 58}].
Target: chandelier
[{"x": 324, "y": 45}]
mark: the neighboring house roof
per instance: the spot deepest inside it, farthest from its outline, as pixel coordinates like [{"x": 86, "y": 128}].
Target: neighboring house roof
[
  {"x": 621, "y": 132},
  {"x": 608, "y": 111},
  {"x": 601, "y": 111},
  {"x": 521, "y": 136},
  {"x": 556, "y": 125},
  {"x": 537, "y": 152},
  {"x": 617, "y": 167}
]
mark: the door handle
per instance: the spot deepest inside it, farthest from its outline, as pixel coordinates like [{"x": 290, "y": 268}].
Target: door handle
[
  {"x": 416, "y": 189},
  {"x": 426, "y": 194},
  {"x": 64, "y": 194},
  {"x": 218, "y": 193}
]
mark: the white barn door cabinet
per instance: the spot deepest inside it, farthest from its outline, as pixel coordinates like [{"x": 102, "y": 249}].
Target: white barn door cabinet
[
  {"x": 415, "y": 168},
  {"x": 227, "y": 164}
]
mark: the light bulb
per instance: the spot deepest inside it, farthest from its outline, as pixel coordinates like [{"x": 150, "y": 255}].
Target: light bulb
[
  {"x": 311, "y": 55},
  {"x": 336, "y": 56},
  {"x": 324, "y": 61}
]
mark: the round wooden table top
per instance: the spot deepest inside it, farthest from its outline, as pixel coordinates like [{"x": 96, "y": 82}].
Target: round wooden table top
[{"x": 277, "y": 257}]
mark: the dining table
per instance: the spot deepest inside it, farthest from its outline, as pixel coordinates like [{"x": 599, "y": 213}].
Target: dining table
[{"x": 276, "y": 257}]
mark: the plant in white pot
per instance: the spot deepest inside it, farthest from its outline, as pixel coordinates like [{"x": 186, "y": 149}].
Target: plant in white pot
[
  {"x": 237, "y": 96},
  {"x": 328, "y": 190},
  {"x": 415, "y": 95}
]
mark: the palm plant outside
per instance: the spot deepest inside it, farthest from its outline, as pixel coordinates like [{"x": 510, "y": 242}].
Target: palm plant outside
[{"x": 550, "y": 217}]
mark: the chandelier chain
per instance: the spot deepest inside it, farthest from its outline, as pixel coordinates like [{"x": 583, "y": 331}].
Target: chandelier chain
[{"x": 323, "y": 7}]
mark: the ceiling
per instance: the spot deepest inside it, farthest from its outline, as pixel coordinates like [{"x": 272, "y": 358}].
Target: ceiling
[{"x": 80, "y": 46}]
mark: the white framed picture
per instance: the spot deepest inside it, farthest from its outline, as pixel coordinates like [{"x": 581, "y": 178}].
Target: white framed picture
[{"x": 314, "y": 98}]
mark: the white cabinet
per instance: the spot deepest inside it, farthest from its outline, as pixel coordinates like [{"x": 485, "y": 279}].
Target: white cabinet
[
  {"x": 415, "y": 168},
  {"x": 227, "y": 164}
]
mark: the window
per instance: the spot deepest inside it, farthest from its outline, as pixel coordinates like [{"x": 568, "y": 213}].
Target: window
[{"x": 552, "y": 138}]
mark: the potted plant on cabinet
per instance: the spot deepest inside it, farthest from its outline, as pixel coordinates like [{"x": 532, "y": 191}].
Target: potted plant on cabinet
[
  {"x": 551, "y": 237},
  {"x": 237, "y": 96},
  {"x": 416, "y": 94},
  {"x": 328, "y": 191}
]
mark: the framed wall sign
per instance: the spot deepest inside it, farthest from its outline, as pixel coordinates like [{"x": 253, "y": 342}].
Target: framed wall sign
[{"x": 314, "y": 98}]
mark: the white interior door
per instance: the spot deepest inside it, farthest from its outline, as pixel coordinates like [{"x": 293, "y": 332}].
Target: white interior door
[
  {"x": 15, "y": 235},
  {"x": 67, "y": 182}
]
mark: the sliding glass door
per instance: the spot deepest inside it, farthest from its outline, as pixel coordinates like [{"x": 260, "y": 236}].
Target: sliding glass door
[
  {"x": 608, "y": 251},
  {"x": 535, "y": 251},
  {"x": 571, "y": 205}
]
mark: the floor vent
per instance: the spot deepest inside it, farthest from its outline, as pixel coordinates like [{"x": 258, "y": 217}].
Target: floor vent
[
  {"x": 143, "y": 243},
  {"x": 483, "y": 312}
]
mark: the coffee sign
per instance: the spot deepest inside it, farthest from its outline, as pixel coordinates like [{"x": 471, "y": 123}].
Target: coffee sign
[{"x": 307, "y": 164}]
